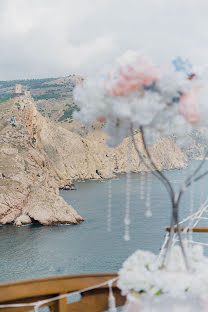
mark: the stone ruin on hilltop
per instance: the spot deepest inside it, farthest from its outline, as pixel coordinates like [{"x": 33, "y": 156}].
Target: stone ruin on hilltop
[{"x": 19, "y": 91}]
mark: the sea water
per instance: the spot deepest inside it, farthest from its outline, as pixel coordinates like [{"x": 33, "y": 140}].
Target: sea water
[{"x": 37, "y": 251}]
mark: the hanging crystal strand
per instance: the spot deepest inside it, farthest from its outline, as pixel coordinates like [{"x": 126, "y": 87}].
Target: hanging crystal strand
[
  {"x": 192, "y": 187},
  {"x": 186, "y": 231},
  {"x": 128, "y": 191},
  {"x": 111, "y": 299},
  {"x": 186, "y": 175},
  {"x": 110, "y": 172},
  {"x": 141, "y": 185},
  {"x": 148, "y": 212}
]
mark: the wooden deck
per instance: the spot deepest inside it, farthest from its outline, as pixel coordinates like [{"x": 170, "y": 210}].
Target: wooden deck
[{"x": 95, "y": 300}]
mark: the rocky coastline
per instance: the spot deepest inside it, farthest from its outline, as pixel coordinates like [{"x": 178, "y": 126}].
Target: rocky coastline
[{"x": 38, "y": 157}]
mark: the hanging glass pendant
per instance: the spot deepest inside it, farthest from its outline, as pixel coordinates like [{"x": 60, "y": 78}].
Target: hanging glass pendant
[
  {"x": 142, "y": 185},
  {"x": 109, "y": 209},
  {"x": 192, "y": 188},
  {"x": 127, "y": 220},
  {"x": 148, "y": 212}
]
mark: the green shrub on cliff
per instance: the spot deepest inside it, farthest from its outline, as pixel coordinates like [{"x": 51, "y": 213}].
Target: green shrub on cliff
[{"x": 68, "y": 113}]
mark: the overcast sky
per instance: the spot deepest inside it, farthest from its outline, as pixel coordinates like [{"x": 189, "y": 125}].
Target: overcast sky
[{"x": 51, "y": 38}]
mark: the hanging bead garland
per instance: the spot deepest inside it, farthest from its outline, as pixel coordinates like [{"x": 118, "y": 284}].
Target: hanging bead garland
[
  {"x": 192, "y": 188},
  {"x": 148, "y": 212},
  {"x": 142, "y": 185},
  {"x": 110, "y": 172},
  {"x": 127, "y": 220}
]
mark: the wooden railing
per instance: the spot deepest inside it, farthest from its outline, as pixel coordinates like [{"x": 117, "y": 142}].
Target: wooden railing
[
  {"x": 95, "y": 300},
  {"x": 194, "y": 229}
]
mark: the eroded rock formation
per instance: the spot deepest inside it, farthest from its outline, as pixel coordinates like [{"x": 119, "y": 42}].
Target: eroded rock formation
[
  {"x": 28, "y": 190},
  {"x": 37, "y": 157}
]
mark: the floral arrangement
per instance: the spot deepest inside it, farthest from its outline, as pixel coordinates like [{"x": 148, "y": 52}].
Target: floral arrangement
[
  {"x": 143, "y": 273},
  {"x": 162, "y": 99},
  {"x": 157, "y": 100}
]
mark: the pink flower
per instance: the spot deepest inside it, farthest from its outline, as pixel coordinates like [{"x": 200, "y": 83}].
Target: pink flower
[
  {"x": 101, "y": 119},
  {"x": 139, "y": 73},
  {"x": 188, "y": 105}
]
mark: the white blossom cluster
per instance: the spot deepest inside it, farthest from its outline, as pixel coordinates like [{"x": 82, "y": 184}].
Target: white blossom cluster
[
  {"x": 143, "y": 274},
  {"x": 138, "y": 93},
  {"x": 146, "y": 303}
]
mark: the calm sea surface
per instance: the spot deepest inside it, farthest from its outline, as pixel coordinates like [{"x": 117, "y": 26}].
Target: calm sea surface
[{"x": 37, "y": 251}]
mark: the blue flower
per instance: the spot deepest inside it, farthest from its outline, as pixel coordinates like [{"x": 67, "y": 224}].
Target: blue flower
[
  {"x": 176, "y": 99},
  {"x": 182, "y": 65},
  {"x": 152, "y": 87}
]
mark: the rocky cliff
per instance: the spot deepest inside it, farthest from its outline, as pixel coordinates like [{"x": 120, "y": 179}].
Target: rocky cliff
[
  {"x": 38, "y": 156},
  {"x": 28, "y": 190},
  {"x": 82, "y": 153}
]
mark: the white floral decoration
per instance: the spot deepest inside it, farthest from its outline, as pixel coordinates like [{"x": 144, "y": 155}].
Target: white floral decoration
[
  {"x": 143, "y": 273},
  {"x": 138, "y": 93}
]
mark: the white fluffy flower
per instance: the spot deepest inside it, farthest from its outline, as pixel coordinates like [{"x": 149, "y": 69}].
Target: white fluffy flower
[
  {"x": 172, "y": 82},
  {"x": 143, "y": 274},
  {"x": 137, "y": 93}
]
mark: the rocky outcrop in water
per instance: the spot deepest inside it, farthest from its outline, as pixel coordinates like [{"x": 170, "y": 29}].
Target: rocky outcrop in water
[{"x": 28, "y": 189}]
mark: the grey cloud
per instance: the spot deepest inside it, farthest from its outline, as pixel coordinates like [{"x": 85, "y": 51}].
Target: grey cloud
[{"x": 60, "y": 37}]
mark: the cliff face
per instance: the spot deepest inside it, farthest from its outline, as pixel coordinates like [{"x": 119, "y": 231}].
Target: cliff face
[
  {"x": 38, "y": 156},
  {"x": 28, "y": 190},
  {"x": 86, "y": 156}
]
